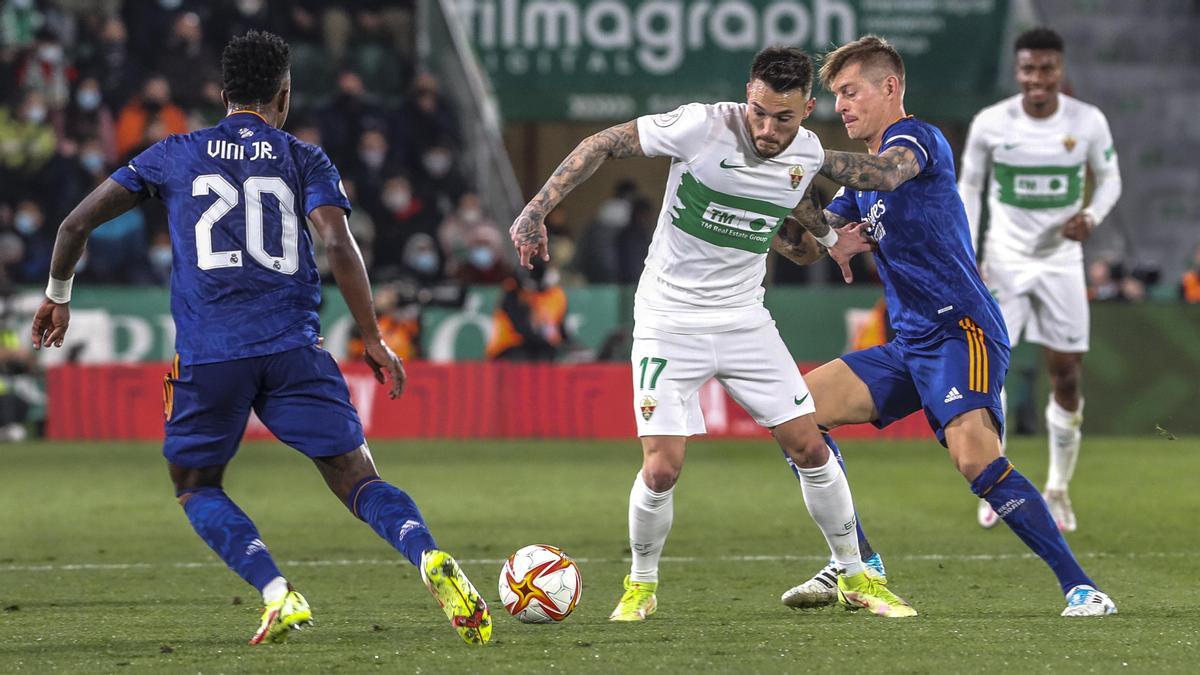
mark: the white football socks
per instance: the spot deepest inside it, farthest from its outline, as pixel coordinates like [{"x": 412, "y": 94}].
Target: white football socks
[
  {"x": 275, "y": 590},
  {"x": 650, "y": 515},
  {"x": 1064, "y": 427},
  {"x": 827, "y": 496}
]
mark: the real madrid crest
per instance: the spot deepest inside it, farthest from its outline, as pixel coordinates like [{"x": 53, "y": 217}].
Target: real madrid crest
[
  {"x": 1069, "y": 142},
  {"x": 797, "y": 174},
  {"x": 648, "y": 405}
]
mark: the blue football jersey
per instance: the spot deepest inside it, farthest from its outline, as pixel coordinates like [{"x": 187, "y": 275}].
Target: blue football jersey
[
  {"x": 925, "y": 256},
  {"x": 243, "y": 279}
]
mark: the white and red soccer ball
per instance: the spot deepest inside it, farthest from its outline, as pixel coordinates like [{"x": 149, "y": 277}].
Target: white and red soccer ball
[{"x": 540, "y": 584}]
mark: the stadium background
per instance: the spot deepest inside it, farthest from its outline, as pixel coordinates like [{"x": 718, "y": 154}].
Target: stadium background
[{"x": 444, "y": 116}]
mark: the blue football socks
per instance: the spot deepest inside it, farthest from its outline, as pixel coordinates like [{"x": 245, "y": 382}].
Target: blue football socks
[
  {"x": 230, "y": 533},
  {"x": 1021, "y": 506},
  {"x": 393, "y": 515}
]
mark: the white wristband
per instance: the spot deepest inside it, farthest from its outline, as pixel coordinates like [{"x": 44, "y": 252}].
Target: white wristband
[
  {"x": 59, "y": 291},
  {"x": 829, "y": 239}
]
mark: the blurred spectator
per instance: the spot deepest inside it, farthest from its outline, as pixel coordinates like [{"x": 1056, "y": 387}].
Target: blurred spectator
[
  {"x": 402, "y": 215},
  {"x": 481, "y": 260},
  {"x": 44, "y": 69},
  {"x": 117, "y": 251},
  {"x": 633, "y": 242},
  {"x": 529, "y": 322},
  {"x": 421, "y": 260},
  {"x": 399, "y": 324},
  {"x": 374, "y": 162},
  {"x": 187, "y": 62},
  {"x": 1101, "y": 283},
  {"x": 111, "y": 62},
  {"x": 562, "y": 241},
  {"x": 344, "y": 119},
  {"x": 426, "y": 115},
  {"x": 601, "y": 264},
  {"x": 456, "y": 228},
  {"x": 26, "y": 143},
  {"x": 37, "y": 241},
  {"x": 90, "y": 117},
  {"x": 17, "y": 392},
  {"x": 379, "y": 20},
  {"x": 149, "y": 117},
  {"x": 1189, "y": 284},
  {"x": 440, "y": 179},
  {"x": 19, "y": 22},
  {"x": 362, "y": 228},
  {"x": 160, "y": 257}
]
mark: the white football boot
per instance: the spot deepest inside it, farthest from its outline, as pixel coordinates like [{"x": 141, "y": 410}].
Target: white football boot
[{"x": 1087, "y": 601}]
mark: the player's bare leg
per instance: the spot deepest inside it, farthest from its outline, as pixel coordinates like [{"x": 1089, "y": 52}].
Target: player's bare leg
[
  {"x": 232, "y": 535},
  {"x": 651, "y": 509},
  {"x": 973, "y": 440},
  {"x": 389, "y": 511},
  {"x": 1064, "y": 421}
]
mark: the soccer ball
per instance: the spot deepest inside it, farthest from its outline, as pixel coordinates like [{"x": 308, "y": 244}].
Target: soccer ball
[{"x": 540, "y": 584}]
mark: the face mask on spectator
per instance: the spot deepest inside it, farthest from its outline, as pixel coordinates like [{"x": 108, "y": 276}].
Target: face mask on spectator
[
  {"x": 88, "y": 99},
  {"x": 36, "y": 114},
  {"x": 481, "y": 257},
  {"x": 471, "y": 216},
  {"x": 397, "y": 200},
  {"x": 51, "y": 53},
  {"x": 160, "y": 257},
  {"x": 249, "y": 7},
  {"x": 93, "y": 162},
  {"x": 373, "y": 158},
  {"x": 425, "y": 262},
  {"x": 25, "y": 223},
  {"x": 170, "y": 5},
  {"x": 22, "y": 4},
  {"x": 438, "y": 163}
]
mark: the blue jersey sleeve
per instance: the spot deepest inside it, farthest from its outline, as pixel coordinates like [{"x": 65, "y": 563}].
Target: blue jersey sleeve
[
  {"x": 915, "y": 136},
  {"x": 145, "y": 173},
  {"x": 845, "y": 205},
  {"x": 322, "y": 183}
]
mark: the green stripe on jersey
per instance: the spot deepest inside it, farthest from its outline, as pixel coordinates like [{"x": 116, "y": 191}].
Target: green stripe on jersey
[
  {"x": 1039, "y": 187},
  {"x": 726, "y": 220}
]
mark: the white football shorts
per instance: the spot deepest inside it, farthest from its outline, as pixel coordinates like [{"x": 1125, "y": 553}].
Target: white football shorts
[
  {"x": 1046, "y": 303},
  {"x": 753, "y": 365}
]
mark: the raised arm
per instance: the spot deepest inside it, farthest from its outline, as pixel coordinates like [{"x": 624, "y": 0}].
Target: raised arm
[
  {"x": 528, "y": 231},
  {"x": 106, "y": 202},
  {"x": 860, "y": 171}
]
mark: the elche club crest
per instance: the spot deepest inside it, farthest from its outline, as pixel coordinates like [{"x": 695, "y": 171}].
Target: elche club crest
[
  {"x": 797, "y": 175},
  {"x": 1069, "y": 142},
  {"x": 648, "y": 405}
]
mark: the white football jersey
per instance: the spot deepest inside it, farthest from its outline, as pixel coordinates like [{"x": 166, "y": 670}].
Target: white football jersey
[
  {"x": 1037, "y": 170},
  {"x": 722, "y": 207}
]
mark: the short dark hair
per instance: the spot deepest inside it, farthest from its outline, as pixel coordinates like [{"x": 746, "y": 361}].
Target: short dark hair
[
  {"x": 1039, "y": 38},
  {"x": 253, "y": 66},
  {"x": 870, "y": 50},
  {"x": 783, "y": 69}
]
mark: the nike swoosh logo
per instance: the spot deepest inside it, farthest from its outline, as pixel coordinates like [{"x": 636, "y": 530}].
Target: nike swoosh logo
[
  {"x": 800, "y": 400},
  {"x": 1010, "y": 146},
  {"x": 732, "y": 166}
]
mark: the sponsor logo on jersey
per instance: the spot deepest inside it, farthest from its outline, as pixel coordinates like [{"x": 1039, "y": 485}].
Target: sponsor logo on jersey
[
  {"x": 952, "y": 395},
  {"x": 875, "y": 228},
  {"x": 648, "y": 405},
  {"x": 245, "y": 133},
  {"x": 797, "y": 175},
  {"x": 1069, "y": 142}
]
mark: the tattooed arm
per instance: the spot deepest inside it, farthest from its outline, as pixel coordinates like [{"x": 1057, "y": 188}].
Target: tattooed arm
[
  {"x": 818, "y": 223},
  {"x": 528, "y": 232},
  {"x": 860, "y": 171},
  {"x": 797, "y": 244},
  {"x": 106, "y": 202}
]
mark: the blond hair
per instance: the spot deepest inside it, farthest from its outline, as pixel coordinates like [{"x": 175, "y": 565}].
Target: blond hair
[{"x": 871, "y": 51}]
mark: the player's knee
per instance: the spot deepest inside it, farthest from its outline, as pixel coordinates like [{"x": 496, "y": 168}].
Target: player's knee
[
  {"x": 809, "y": 452},
  {"x": 660, "y": 475}
]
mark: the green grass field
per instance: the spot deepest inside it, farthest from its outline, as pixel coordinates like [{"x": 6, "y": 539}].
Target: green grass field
[{"x": 100, "y": 572}]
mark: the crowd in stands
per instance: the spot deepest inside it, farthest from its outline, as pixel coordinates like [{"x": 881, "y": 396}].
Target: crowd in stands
[{"x": 86, "y": 85}]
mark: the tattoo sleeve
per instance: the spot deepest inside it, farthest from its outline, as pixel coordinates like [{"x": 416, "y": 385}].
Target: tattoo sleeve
[
  {"x": 812, "y": 217},
  {"x": 106, "y": 202},
  {"x": 796, "y": 244},
  {"x": 860, "y": 171},
  {"x": 617, "y": 142}
]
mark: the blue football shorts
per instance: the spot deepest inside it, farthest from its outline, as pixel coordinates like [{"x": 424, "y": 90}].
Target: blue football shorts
[
  {"x": 299, "y": 394},
  {"x": 957, "y": 371}
]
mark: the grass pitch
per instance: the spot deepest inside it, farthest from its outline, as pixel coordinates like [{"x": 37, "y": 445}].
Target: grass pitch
[{"x": 100, "y": 572}]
